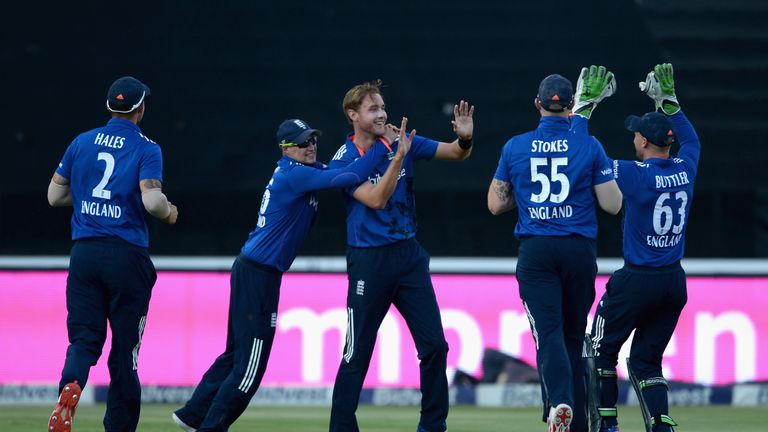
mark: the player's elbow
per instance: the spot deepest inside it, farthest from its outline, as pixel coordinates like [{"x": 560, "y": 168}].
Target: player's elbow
[
  {"x": 609, "y": 197},
  {"x": 156, "y": 203},
  {"x": 59, "y": 195},
  {"x": 373, "y": 201},
  {"x": 496, "y": 205},
  {"x": 377, "y": 204},
  {"x": 612, "y": 208},
  {"x": 494, "y": 209}
]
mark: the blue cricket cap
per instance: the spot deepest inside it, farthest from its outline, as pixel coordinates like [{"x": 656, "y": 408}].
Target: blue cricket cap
[
  {"x": 555, "y": 93},
  {"x": 126, "y": 94},
  {"x": 654, "y": 126},
  {"x": 294, "y": 131}
]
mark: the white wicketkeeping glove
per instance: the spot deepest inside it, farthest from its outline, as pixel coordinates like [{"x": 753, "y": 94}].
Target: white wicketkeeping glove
[{"x": 659, "y": 85}]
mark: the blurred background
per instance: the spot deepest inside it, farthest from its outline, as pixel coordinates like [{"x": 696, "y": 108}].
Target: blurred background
[{"x": 224, "y": 75}]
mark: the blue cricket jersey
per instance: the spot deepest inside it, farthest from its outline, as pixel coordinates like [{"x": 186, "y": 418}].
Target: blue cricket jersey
[
  {"x": 105, "y": 166},
  {"x": 367, "y": 227},
  {"x": 657, "y": 199},
  {"x": 289, "y": 205},
  {"x": 552, "y": 170}
]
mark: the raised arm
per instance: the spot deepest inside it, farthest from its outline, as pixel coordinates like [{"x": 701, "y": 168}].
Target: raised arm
[
  {"x": 156, "y": 202},
  {"x": 463, "y": 125},
  {"x": 690, "y": 146},
  {"x": 501, "y": 198},
  {"x": 376, "y": 195},
  {"x": 59, "y": 193}
]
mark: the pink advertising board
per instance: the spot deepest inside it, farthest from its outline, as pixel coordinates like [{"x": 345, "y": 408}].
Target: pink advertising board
[{"x": 722, "y": 336}]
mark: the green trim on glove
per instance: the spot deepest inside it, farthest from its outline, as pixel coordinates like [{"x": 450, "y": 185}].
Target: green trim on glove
[
  {"x": 595, "y": 84},
  {"x": 659, "y": 85}
]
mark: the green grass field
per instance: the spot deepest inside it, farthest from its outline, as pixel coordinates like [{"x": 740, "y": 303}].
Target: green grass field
[{"x": 156, "y": 418}]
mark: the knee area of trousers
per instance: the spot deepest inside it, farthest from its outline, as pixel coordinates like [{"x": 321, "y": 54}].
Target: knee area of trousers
[
  {"x": 439, "y": 349},
  {"x": 88, "y": 348}
]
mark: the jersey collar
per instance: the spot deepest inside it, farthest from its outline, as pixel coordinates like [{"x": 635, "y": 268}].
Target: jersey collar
[
  {"x": 554, "y": 123},
  {"x": 351, "y": 140},
  {"x": 123, "y": 123}
]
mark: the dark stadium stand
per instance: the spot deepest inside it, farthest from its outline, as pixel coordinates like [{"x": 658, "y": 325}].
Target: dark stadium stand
[{"x": 224, "y": 75}]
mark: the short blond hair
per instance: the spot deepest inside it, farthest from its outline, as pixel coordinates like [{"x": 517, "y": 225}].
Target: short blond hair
[{"x": 357, "y": 94}]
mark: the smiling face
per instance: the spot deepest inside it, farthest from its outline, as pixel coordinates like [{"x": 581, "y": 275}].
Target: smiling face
[
  {"x": 363, "y": 106},
  {"x": 370, "y": 117},
  {"x": 306, "y": 155}
]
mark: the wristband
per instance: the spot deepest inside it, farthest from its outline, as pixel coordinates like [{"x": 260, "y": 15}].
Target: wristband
[{"x": 465, "y": 144}]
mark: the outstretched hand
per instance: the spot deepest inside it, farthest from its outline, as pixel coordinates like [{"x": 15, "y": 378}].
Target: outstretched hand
[
  {"x": 595, "y": 84},
  {"x": 405, "y": 140},
  {"x": 659, "y": 85},
  {"x": 462, "y": 122}
]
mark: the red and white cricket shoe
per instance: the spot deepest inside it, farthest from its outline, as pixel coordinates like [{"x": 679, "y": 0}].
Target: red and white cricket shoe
[
  {"x": 64, "y": 412},
  {"x": 560, "y": 418}
]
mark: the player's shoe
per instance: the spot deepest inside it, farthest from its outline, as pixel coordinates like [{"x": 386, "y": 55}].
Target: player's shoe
[
  {"x": 180, "y": 423},
  {"x": 560, "y": 418},
  {"x": 614, "y": 428},
  {"x": 64, "y": 412}
]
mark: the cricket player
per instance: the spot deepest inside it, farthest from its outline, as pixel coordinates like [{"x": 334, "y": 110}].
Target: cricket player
[
  {"x": 552, "y": 175},
  {"x": 385, "y": 263},
  {"x": 287, "y": 212},
  {"x": 648, "y": 293},
  {"x": 111, "y": 175}
]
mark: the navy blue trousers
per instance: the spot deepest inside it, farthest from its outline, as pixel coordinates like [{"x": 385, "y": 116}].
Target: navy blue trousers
[
  {"x": 648, "y": 301},
  {"x": 110, "y": 281},
  {"x": 229, "y": 384},
  {"x": 379, "y": 277},
  {"x": 556, "y": 276}
]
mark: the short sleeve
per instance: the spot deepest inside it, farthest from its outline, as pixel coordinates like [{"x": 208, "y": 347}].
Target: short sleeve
[
  {"x": 602, "y": 172},
  {"x": 151, "y": 165},
  {"x": 627, "y": 175},
  {"x": 65, "y": 166},
  {"x": 341, "y": 159},
  {"x": 502, "y": 171},
  {"x": 423, "y": 148}
]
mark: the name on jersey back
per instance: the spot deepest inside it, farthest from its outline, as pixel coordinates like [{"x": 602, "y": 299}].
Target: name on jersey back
[
  {"x": 113, "y": 141},
  {"x": 671, "y": 181},
  {"x": 557, "y": 146}
]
